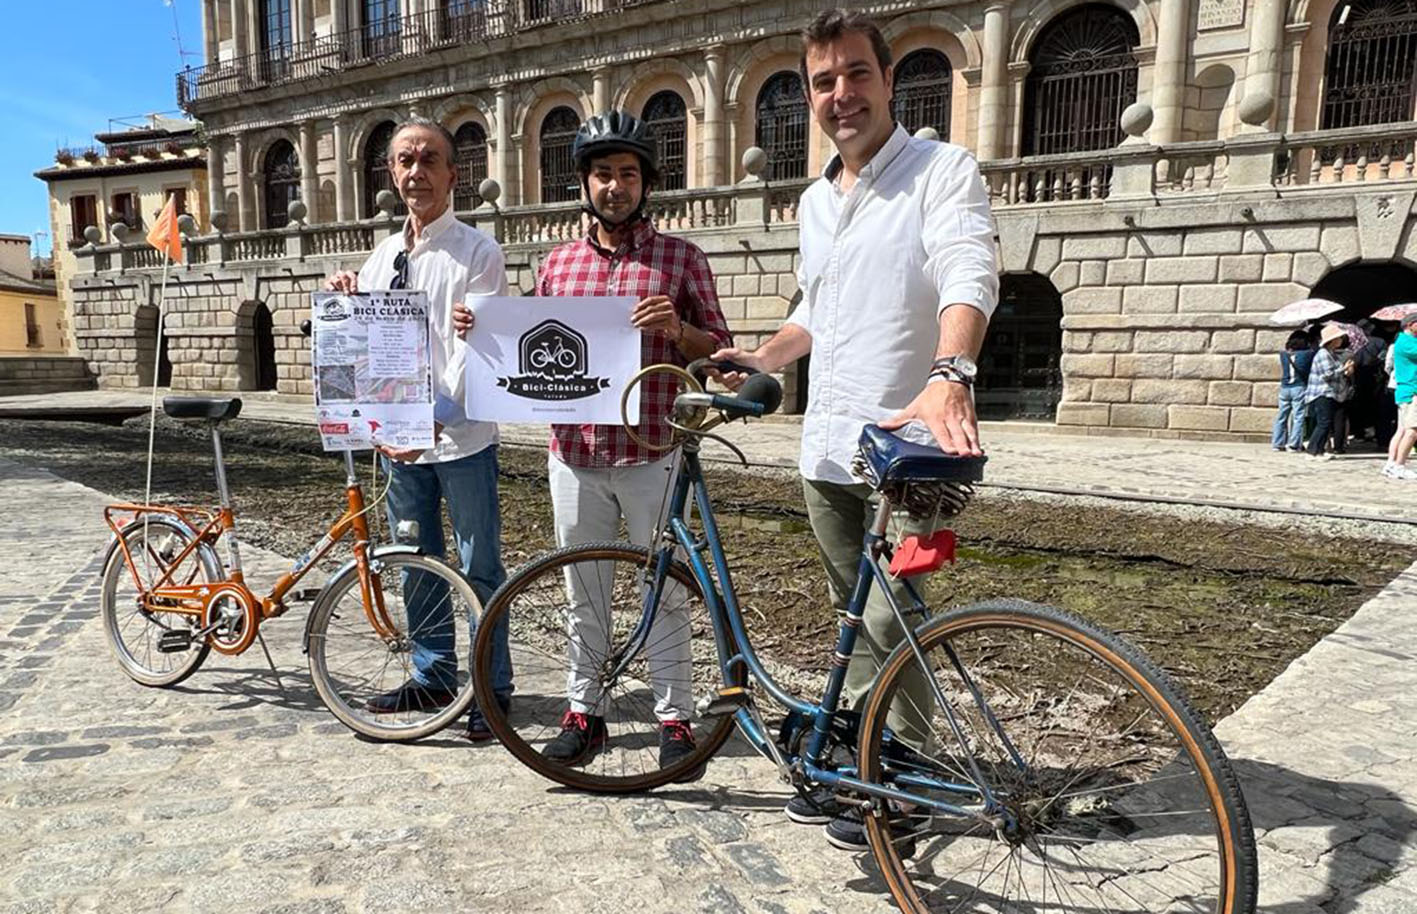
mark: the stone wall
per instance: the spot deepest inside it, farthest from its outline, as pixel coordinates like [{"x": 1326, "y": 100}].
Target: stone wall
[{"x": 43, "y": 375}]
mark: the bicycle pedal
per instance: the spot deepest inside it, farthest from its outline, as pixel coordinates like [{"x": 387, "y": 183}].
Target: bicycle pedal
[
  {"x": 723, "y": 702},
  {"x": 304, "y": 595},
  {"x": 174, "y": 642}
]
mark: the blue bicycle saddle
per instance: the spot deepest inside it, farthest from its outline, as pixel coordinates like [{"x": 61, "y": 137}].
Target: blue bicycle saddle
[{"x": 892, "y": 459}]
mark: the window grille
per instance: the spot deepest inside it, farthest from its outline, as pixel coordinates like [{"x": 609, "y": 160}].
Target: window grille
[
  {"x": 376, "y": 169},
  {"x": 782, "y": 127},
  {"x": 559, "y": 180},
  {"x": 1082, "y": 74},
  {"x": 666, "y": 115},
  {"x": 470, "y": 155},
  {"x": 922, "y": 92},
  {"x": 281, "y": 173}
]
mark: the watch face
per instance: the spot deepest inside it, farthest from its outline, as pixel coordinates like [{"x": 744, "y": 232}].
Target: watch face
[{"x": 965, "y": 366}]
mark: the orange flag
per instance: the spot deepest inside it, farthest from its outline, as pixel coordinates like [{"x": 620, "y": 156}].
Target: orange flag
[{"x": 164, "y": 234}]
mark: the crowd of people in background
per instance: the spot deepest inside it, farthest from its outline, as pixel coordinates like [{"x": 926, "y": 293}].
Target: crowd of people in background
[{"x": 1332, "y": 393}]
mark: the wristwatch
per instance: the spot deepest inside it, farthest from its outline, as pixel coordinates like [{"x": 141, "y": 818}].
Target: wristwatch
[{"x": 958, "y": 368}]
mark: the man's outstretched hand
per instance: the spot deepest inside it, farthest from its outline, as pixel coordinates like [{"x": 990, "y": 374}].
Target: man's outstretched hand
[{"x": 948, "y": 411}]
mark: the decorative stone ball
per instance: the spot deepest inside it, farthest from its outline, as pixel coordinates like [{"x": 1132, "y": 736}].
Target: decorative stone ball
[
  {"x": 219, "y": 219},
  {"x": 927, "y": 133},
  {"x": 120, "y": 231},
  {"x": 755, "y": 161},
  {"x": 186, "y": 224},
  {"x": 93, "y": 234},
  {"x": 489, "y": 190},
  {"x": 1136, "y": 119},
  {"x": 296, "y": 210},
  {"x": 1256, "y": 107},
  {"x": 386, "y": 201}
]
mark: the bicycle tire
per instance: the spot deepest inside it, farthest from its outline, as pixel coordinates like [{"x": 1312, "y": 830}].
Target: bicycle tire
[
  {"x": 1118, "y": 811},
  {"x": 146, "y": 665},
  {"x": 540, "y": 699},
  {"x": 349, "y": 661}
]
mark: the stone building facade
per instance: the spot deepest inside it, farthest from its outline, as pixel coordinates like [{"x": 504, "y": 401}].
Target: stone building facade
[{"x": 1164, "y": 172}]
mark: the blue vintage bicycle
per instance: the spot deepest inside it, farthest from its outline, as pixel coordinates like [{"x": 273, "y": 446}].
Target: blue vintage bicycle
[{"x": 1053, "y": 767}]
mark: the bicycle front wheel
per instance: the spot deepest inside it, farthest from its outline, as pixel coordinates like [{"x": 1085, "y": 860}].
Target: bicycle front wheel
[
  {"x": 134, "y": 631},
  {"x": 1111, "y": 792},
  {"x": 412, "y": 680},
  {"x": 578, "y": 643}
]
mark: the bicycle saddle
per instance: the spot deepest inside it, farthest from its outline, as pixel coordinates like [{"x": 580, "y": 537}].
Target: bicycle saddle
[
  {"x": 891, "y": 459},
  {"x": 212, "y": 408}
]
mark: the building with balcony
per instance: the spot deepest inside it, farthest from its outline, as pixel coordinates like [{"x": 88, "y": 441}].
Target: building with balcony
[
  {"x": 124, "y": 179},
  {"x": 1164, "y": 172}
]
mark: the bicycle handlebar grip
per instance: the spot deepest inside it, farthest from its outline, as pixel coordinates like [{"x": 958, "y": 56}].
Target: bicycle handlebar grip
[{"x": 696, "y": 367}]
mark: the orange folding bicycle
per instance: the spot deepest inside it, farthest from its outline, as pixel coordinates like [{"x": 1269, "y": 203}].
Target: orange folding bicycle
[{"x": 167, "y": 601}]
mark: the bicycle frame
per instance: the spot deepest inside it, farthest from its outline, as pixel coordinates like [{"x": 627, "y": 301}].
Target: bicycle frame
[
  {"x": 706, "y": 557},
  {"x": 195, "y": 599}
]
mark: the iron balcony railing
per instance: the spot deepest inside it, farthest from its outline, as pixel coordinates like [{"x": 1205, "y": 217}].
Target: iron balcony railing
[{"x": 451, "y": 23}]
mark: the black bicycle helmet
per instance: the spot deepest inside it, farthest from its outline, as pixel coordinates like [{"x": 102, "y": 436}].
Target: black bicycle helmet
[{"x": 616, "y": 131}]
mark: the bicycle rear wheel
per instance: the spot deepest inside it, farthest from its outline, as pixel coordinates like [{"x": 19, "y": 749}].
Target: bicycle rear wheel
[
  {"x": 431, "y": 607},
  {"x": 133, "y": 632},
  {"x": 1114, "y": 794},
  {"x": 598, "y": 591}
]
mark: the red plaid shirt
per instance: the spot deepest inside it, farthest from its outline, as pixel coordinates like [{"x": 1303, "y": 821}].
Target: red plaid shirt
[{"x": 647, "y": 264}]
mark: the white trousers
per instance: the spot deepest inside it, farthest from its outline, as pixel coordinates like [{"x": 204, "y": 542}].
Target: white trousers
[{"x": 588, "y": 505}]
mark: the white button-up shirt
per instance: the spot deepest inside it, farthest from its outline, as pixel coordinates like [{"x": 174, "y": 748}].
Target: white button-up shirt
[
  {"x": 451, "y": 262},
  {"x": 880, "y": 263}
]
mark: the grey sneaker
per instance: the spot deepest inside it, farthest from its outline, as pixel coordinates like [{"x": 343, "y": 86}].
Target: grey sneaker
[{"x": 817, "y": 806}]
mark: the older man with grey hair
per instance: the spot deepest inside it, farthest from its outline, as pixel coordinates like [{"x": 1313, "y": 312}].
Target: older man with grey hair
[{"x": 450, "y": 262}]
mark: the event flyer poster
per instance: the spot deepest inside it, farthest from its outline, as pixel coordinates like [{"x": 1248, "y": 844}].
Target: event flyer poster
[
  {"x": 563, "y": 359},
  {"x": 373, "y": 369}
]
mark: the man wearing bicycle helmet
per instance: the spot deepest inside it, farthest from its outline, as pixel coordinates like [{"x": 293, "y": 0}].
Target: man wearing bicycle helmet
[{"x": 598, "y": 473}]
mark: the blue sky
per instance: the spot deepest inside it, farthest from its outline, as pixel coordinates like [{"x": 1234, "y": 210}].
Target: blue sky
[{"x": 67, "y": 69}]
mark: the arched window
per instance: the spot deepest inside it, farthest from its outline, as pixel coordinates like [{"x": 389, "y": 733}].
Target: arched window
[
  {"x": 1082, "y": 74},
  {"x": 1372, "y": 63},
  {"x": 470, "y": 156},
  {"x": 376, "y": 169},
  {"x": 281, "y": 173},
  {"x": 922, "y": 92},
  {"x": 559, "y": 181},
  {"x": 782, "y": 126},
  {"x": 665, "y": 114},
  {"x": 381, "y": 24}
]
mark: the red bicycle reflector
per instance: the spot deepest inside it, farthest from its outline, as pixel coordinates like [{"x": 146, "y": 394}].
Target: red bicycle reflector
[{"x": 918, "y": 555}]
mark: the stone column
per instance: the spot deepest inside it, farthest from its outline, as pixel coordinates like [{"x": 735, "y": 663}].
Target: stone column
[
  {"x": 254, "y": 26},
  {"x": 1262, "y": 74},
  {"x": 243, "y": 220},
  {"x": 216, "y": 175},
  {"x": 238, "y": 28},
  {"x": 339, "y": 17},
  {"x": 302, "y": 24},
  {"x": 994, "y": 84},
  {"x": 600, "y": 91},
  {"x": 309, "y": 172},
  {"x": 209, "y": 32},
  {"x": 342, "y": 166},
  {"x": 714, "y": 172},
  {"x": 505, "y": 165},
  {"x": 1168, "y": 81}
]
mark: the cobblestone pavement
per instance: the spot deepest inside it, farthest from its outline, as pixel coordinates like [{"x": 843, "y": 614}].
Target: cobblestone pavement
[
  {"x": 1028, "y": 455},
  {"x": 231, "y": 793}
]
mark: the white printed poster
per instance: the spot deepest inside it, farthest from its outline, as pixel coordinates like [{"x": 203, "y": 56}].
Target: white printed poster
[
  {"x": 373, "y": 369},
  {"x": 564, "y": 360}
]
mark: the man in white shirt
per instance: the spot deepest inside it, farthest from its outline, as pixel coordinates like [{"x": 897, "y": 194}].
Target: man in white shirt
[
  {"x": 451, "y": 262},
  {"x": 898, "y": 280}
]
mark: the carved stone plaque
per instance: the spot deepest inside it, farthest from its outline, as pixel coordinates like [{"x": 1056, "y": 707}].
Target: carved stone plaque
[{"x": 1220, "y": 14}]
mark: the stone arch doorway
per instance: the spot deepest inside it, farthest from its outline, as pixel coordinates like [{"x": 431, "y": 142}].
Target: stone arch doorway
[
  {"x": 256, "y": 347},
  {"x": 1019, "y": 373},
  {"x": 1363, "y": 288},
  {"x": 145, "y": 339}
]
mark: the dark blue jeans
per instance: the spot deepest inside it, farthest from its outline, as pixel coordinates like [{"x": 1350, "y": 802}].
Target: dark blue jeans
[
  {"x": 1322, "y": 410},
  {"x": 469, "y": 487}
]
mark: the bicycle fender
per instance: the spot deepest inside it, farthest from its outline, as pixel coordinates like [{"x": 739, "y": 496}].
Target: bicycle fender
[
  {"x": 205, "y": 550},
  {"x": 374, "y": 554}
]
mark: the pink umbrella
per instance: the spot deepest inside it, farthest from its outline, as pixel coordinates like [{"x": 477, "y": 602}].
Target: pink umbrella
[
  {"x": 1357, "y": 339},
  {"x": 1304, "y": 310},
  {"x": 1394, "y": 312}
]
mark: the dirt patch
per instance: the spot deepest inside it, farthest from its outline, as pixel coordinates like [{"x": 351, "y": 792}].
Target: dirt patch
[{"x": 1224, "y": 608}]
